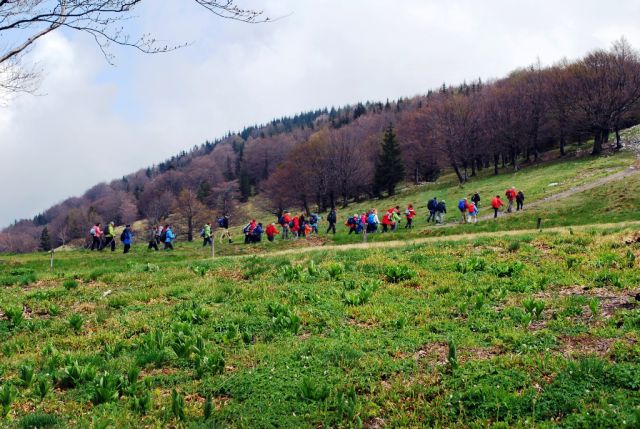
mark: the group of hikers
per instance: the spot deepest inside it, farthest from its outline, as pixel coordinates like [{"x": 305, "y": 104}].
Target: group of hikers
[{"x": 301, "y": 226}]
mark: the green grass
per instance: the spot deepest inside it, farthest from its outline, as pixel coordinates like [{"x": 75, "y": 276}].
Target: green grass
[{"x": 454, "y": 333}]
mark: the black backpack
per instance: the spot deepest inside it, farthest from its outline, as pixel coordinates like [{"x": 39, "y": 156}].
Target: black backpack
[
  {"x": 332, "y": 217},
  {"x": 122, "y": 236}
]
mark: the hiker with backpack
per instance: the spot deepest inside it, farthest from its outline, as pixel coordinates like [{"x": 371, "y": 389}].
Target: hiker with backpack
[
  {"x": 496, "y": 203},
  {"x": 154, "y": 238},
  {"x": 109, "y": 236},
  {"x": 248, "y": 231},
  {"x": 256, "y": 234},
  {"x": 463, "y": 207},
  {"x": 127, "y": 238},
  {"x": 294, "y": 226},
  {"x": 395, "y": 218},
  {"x": 159, "y": 231},
  {"x": 475, "y": 199},
  {"x": 313, "y": 222},
  {"x": 410, "y": 214},
  {"x": 169, "y": 237},
  {"x": 472, "y": 210},
  {"x": 96, "y": 236},
  {"x": 432, "y": 205},
  {"x": 285, "y": 223},
  {"x": 223, "y": 222},
  {"x": 352, "y": 223},
  {"x": 372, "y": 221},
  {"x": 205, "y": 233},
  {"x": 272, "y": 231},
  {"x": 386, "y": 220},
  {"x": 332, "y": 218},
  {"x": 302, "y": 226},
  {"x": 441, "y": 209},
  {"x": 511, "y": 196},
  {"x": 520, "y": 201}
]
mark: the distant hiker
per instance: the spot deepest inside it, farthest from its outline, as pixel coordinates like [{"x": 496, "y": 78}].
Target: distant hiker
[
  {"x": 472, "y": 215},
  {"x": 313, "y": 222},
  {"x": 410, "y": 213},
  {"x": 387, "y": 220},
  {"x": 463, "y": 207},
  {"x": 256, "y": 234},
  {"x": 248, "y": 231},
  {"x": 519, "y": 201},
  {"x": 294, "y": 226},
  {"x": 441, "y": 209},
  {"x": 109, "y": 236},
  {"x": 352, "y": 223},
  {"x": 496, "y": 203},
  {"x": 332, "y": 218},
  {"x": 126, "y": 237},
  {"x": 432, "y": 205},
  {"x": 476, "y": 199},
  {"x": 169, "y": 237},
  {"x": 511, "y": 196},
  {"x": 302, "y": 226},
  {"x": 158, "y": 234},
  {"x": 272, "y": 231},
  {"x": 154, "y": 237},
  {"x": 285, "y": 224},
  {"x": 206, "y": 235},
  {"x": 223, "y": 222},
  {"x": 96, "y": 236},
  {"x": 372, "y": 221},
  {"x": 395, "y": 218}
]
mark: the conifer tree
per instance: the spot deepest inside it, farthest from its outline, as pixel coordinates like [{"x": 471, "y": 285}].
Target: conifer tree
[
  {"x": 45, "y": 240},
  {"x": 389, "y": 166}
]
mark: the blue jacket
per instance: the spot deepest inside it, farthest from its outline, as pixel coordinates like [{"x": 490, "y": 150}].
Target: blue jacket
[
  {"x": 128, "y": 236},
  {"x": 170, "y": 236}
]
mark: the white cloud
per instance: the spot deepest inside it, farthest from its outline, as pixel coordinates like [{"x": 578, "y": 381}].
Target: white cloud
[{"x": 326, "y": 52}]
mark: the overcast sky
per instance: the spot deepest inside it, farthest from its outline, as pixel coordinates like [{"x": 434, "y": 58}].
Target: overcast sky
[{"x": 322, "y": 53}]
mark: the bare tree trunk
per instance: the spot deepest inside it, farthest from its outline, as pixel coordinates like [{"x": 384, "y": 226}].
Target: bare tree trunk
[
  {"x": 618, "y": 141},
  {"x": 514, "y": 159},
  {"x": 597, "y": 143},
  {"x": 496, "y": 161},
  {"x": 190, "y": 228},
  {"x": 562, "y": 144},
  {"x": 457, "y": 170}
]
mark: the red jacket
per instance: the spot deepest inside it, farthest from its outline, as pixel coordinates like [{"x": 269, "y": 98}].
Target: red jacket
[
  {"x": 296, "y": 224},
  {"x": 471, "y": 208},
  {"x": 272, "y": 230},
  {"x": 286, "y": 219},
  {"x": 411, "y": 213},
  {"x": 511, "y": 194},
  {"x": 496, "y": 203}
]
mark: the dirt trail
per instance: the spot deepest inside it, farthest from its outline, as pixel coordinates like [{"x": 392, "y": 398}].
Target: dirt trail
[{"x": 456, "y": 237}]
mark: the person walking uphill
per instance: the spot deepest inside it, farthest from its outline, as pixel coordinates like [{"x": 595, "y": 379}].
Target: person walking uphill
[
  {"x": 206, "y": 235},
  {"x": 410, "y": 213},
  {"x": 96, "y": 236},
  {"x": 154, "y": 237},
  {"x": 272, "y": 231},
  {"x": 441, "y": 209},
  {"x": 511, "y": 196},
  {"x": 463, "y": 206},
  {"x": 475, "y": 199},
  {"x": 127, "y": 238},
  {"x": 332, "y": 218},
  {"x": 520, "y": 201},
  {"x": 109, "y": 236},
  {"x": 432, "y": 205},
  {"x": 496, "y": 203},
  {"x": 169, "y": 237}
]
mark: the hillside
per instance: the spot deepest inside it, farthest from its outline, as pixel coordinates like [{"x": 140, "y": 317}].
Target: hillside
[{"x": 479, "y": 327}]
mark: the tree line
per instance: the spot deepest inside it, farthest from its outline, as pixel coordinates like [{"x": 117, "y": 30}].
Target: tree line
[{"x": 331, "y": 157}]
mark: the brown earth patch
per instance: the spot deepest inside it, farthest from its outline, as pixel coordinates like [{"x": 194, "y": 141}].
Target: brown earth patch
[
  {"x": 585, "y": 345},
  {"x": 610, "y": 300},
  {"x": 228, "y": 274},
  {"x": 633, "y": 238},
  {"x": 437, "y": 353},
  {"x": 84, "y": 307},
  {"x": 376, "y": 423},
  {"x": 310, "y": 241}
]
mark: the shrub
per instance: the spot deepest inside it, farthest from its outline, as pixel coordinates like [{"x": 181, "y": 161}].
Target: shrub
[
  {"x": 513, "y": 246},
  {"x": 398, "y": 273},
  {"x": 70, "y": 284}
]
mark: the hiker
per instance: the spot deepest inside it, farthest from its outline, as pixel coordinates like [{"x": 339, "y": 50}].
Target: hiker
[
  {"x": 154, "y": 238},
  {"x": 410, "y": 213},
  {"x": 271, "y": 231},
  {"x": 158, "y": 234},
  {"x": 511, "y": 195},
  {"x": 256, "y": 234},
  {"x": 432, "y": 205},
  {"x": 223, "y": 222},
  {"x": 386, "y": 220},
  {"x": 441, "y": 209},
  {"x": 109, "y": 236},
  {"x": 302, "y": 226},
  {"x": 306, "y": 229},
  {"x": 332, "y": 218},
  {"x": 476, "y": 199},
  {"x": 285, "y": 222},
  {"x": 169, "y": 236},
  {"x": 520, "y": 201},
  {"x": 496, "y": 203},
  {"x": 372, "y": 221},
  {"x": 206, "y": 235},
  {"x": 126, "y": 237},
  {"x": 248, "y": 231},
  {"x": 294, "y": 226},
  {"x": 96, "y": 236},
  {"x": 313, "y": 222},
  {"x": 472, "y": 211},
  {"x": 352, "y": 223},
  {"x": 463, "y": 207},
  {"x": 395, "y": 219}
]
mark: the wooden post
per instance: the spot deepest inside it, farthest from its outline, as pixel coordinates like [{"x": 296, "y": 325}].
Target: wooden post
[
  {"x": 364, "y": 234},
  {"x": 51, "y": 261},
  {"x": 213, "y": 246},
  {"x": 539, "y": 226}
]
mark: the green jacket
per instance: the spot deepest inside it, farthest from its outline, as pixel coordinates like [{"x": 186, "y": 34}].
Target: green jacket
[
  {"x": 207, "y": 231},
  {"x": 111, "y": 231},
  {"x": 395, "y": 216}
]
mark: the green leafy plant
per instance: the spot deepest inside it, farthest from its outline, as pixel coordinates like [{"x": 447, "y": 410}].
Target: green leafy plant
[
  {"x": 14, "y": 315},
  {"x": 38, "y": 420},
  {"x": 283, "y": 319},
  {"x": 313, "y": 269},
  {"x": 347, "y": 404},
  {"x": 182, "y": 343},
  {"x": 452, "y": 355},
  {"x": 8, "y": 394},
  {"x": 70, "y": 284},
  {"x": 42, "y": 387},
  {"x": 594, "y": 306},
  {"x": 193, "y": 313},
  {"x": 291, "y": 273},
  {"x": 361, "y": 296},
  {"x": 105, "y": 389},
  {"x": 177, "y": 405},
  {"x": 533, "y": 307},
  {"x": 152, "y": 349},
  {"x": 335, "y": 271},
  {"x": 473, "y": 264},
  {"x": 398, "y": 273},
  {"x": 141, "y": 402},
  {"x": 74, "y": 375},
  {"x": 630, "y": 259},
  {"x": 311, "y": 390},
  {"x": 26, "y": 374},
  {"x": 207, "y": 408},
  {"x": 76, "y": 321},
  {"x": 507, "y": 269}
]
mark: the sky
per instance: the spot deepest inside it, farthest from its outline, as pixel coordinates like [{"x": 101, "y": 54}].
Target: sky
[{"x": 92, "y": 122}]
